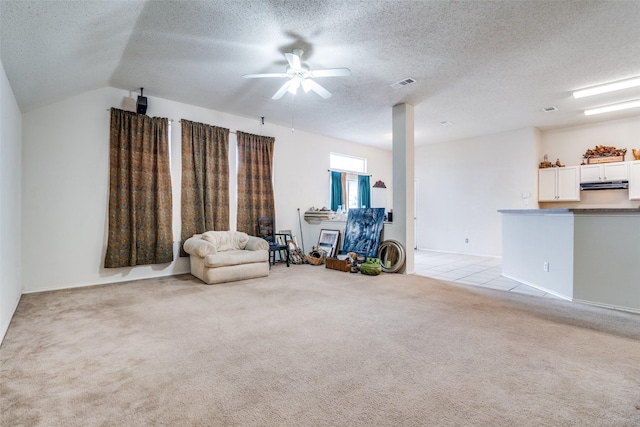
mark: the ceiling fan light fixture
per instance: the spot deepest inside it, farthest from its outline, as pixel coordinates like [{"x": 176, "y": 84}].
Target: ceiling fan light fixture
[
  {"x": 306, "y": 85},
  {"x": 300, "y": 74},
  {"x": 295, "y": 84},
  {"x": 608, "y": 87}
]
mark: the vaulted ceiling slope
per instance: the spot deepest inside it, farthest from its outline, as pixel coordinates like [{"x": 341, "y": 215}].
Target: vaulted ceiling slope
[{"x": 485, "y": 66}]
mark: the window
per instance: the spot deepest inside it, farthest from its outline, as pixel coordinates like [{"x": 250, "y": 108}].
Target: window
[
  {"x": 347, "y": 163},
  {"x": 352, "y": 191},
  {"x": 351, "y": 166}
]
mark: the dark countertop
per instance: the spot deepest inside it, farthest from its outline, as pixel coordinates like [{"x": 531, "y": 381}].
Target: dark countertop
[{"x": 571, "y": 211}]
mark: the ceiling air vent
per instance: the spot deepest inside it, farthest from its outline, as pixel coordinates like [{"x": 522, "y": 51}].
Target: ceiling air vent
[
  {"x": 403, "y": 83},
  {"x": 550, "y": 109}
]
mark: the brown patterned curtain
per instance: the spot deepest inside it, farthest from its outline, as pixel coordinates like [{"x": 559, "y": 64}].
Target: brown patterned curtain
[
  {"x": 140, "y": 206},
  {"x": 255, "y": 182},
  {"x": 205, "y": 179}
]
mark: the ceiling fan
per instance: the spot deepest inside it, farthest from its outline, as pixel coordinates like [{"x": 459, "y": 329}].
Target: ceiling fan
[{"x": 300, "y": 74}]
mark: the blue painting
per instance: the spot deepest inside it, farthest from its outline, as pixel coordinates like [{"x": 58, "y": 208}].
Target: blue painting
[{"x": 362, "y": 233}]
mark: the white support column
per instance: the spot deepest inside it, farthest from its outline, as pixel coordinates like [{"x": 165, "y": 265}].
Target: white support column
[{"x": 403, "y": 228}]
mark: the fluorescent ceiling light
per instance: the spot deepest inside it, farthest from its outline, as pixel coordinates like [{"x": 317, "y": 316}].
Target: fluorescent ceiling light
[
  {"x": 613, "y": 107},
  {"x": 609, "y": 87}
]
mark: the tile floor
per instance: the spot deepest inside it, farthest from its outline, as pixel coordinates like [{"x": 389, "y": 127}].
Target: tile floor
[{"x": 469, "y": 270}]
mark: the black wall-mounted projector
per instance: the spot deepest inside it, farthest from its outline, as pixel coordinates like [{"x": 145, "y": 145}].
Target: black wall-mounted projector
[{"x": 141, "y": 105}]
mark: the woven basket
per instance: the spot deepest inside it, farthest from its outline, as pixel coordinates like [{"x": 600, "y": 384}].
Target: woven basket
[{"x": 316, "y": 257}]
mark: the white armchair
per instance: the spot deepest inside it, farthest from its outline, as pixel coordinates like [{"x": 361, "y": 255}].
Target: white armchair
[{"x": 226, "y": 256}]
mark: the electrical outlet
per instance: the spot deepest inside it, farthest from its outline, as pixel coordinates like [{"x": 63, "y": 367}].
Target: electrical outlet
[
  {"x": 466, "y": 240},
  {"x": 545, "y": 266}
]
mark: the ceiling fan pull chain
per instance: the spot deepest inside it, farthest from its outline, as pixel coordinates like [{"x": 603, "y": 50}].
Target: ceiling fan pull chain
[{"x": 293, "y": 110}]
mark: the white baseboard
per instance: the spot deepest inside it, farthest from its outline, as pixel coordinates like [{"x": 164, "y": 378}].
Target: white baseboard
[
  {"x": 7, "y": 322},
  {"x": 108, "y": 281},
  {"x": 459, "y": 253},
  {"x": 566, "y": 298},
  {"x": 540, "y": 288},
  {"x": 609, "y": 306}
]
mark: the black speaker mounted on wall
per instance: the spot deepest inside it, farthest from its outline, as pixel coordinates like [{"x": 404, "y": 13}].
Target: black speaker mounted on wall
[{"x": 141, "y": 105}]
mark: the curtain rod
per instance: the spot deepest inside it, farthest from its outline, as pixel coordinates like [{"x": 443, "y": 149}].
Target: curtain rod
[
  {"x": 170, "y": 120},
  {"x": 233, "y": 132},
  {"x": 180, "y": 121},
  {"x": 351, "y": 172}
]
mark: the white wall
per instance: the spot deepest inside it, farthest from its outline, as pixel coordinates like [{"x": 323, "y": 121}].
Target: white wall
[
  {"x": 529, "y": 241},
  {"x": 462, "y": 185},
  {"x": 10, "y": 182},
  {"x": 569, "y": 144},
  {"x": 65, "y": 188},
  {"x": 590, "y": 257}
]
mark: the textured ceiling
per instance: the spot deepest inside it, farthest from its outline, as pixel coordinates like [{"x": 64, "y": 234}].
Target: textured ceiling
[{"x": 487, "y": 67}]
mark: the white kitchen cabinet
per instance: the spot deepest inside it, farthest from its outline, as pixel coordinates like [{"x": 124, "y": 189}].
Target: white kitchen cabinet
[
  {"x": 634, "y": 180},
  {"x": 560, "y": 184},
  {"x": 547, "y": 185},
  {"x": 603, "y": 172}
]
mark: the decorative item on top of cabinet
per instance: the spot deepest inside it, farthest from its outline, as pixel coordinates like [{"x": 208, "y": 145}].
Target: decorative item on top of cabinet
[
  {"x": 636, "y": 153},
  {"x": 546, "y": 163},
  {"x": 604, "y": 154}
]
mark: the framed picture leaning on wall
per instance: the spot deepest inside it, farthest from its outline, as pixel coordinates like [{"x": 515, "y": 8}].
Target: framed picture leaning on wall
[
  {"x": 285, "y": 236},
  {"x": 363, "y": 230},
  {"x": 329, "y": 241}
]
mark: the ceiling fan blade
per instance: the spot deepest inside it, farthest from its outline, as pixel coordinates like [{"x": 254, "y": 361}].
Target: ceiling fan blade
[
  {"x": 331, "y": 72},
  {"x": 318, "y": 89},
  {"x": 280, "y": 93},
  {"x": 293, "y": 59},
  {"x": 259, "y": 76}
]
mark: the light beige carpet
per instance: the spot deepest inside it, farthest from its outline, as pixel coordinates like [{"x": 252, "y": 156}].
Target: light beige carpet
[{"x": 314, "y": 347}]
